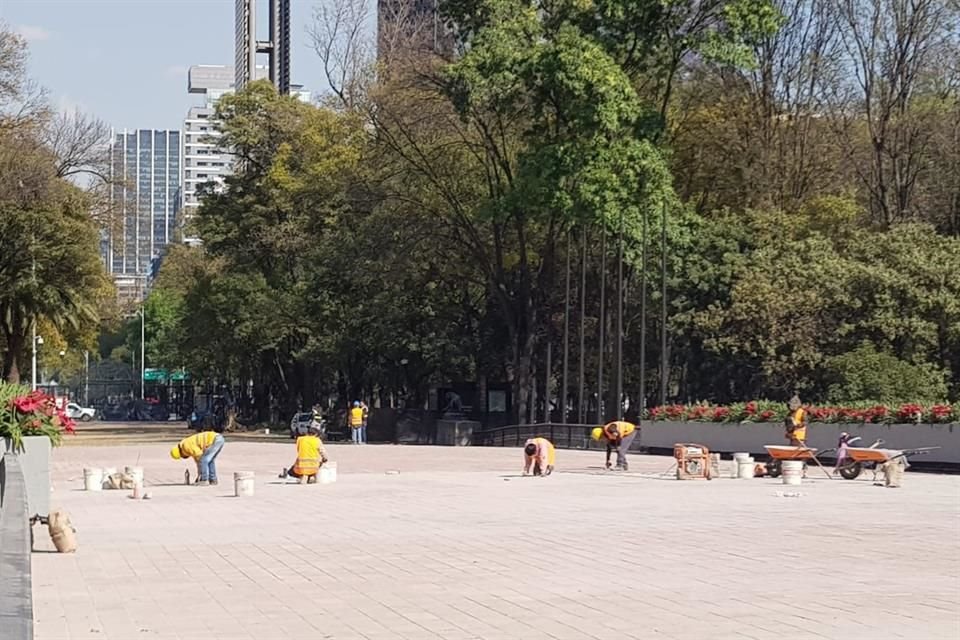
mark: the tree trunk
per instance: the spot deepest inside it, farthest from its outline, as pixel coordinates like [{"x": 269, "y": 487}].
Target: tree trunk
[{"x": 11, "y": 358}]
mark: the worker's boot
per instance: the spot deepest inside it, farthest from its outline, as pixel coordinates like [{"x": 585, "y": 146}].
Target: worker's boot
[
  {"x": 312, "y": 480},
  {"x": 302, "y": 479}
]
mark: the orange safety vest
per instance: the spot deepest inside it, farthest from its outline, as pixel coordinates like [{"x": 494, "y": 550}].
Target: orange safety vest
[{"x": 308, "y": 455}]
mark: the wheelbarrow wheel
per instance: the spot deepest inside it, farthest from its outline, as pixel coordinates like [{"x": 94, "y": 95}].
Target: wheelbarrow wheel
[
  {"x": 773, "y": 468},
  {"x": 851, "y": 471}
]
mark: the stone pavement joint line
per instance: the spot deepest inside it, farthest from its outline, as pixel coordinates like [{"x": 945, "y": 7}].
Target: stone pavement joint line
[{"x": 457, "y": 546}]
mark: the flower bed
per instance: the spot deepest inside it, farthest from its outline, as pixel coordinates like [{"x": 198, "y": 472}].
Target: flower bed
[
  {"x": 767, "y": 411},
  {"x": 30, "y": 413}
]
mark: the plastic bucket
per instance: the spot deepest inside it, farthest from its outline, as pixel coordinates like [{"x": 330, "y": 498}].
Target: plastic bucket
[
  {"x": 737, "y": 459},
  {"x": 328, "y": 473},
  {"x": 745, "y": 468},
  {"x": 93, "y": 479},
  {"x": 136, "y": 472},
  {"x": 791, "y": 471},
  {"x": 243, "y": 483}
]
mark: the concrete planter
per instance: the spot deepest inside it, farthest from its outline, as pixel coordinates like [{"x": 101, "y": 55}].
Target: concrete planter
[
  {"x": 35, "y": 462},
  {"x": 751, "y": 437}
]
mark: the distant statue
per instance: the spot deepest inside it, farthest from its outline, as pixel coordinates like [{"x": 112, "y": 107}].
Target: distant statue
[{"x": 454, "y": 404}]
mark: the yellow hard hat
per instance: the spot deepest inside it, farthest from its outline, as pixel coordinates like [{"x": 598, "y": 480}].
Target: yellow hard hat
[
  {"x": 597, "y": 433},
  {"x": 175, "y": 452}
]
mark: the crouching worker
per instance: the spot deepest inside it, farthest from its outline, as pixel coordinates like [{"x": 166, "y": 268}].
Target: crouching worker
[
  {"x": 540, "y": 454},
  {"x": 310, "y": 456},
  {"x": 619, "y": 436},
  {"x": 203, "y": 447}
]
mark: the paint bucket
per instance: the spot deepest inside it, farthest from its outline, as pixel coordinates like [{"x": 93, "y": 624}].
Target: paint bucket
[
  {"x": 136, "y": 472},
  {"x": 737, "y": 459},
  {"x": 745, "y": 468},
  {"x": 243, "y": 483},
  {"x": 92, "y": 479},
  {"x": 714, "y": 465},
  {"x": 266, "y": 432},
  {"x": 328, "y": 473},
  {"x": 792, "y": 471}
]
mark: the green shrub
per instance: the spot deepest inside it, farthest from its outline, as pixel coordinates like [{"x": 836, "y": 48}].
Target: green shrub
[{"x": 868, "y": 373}]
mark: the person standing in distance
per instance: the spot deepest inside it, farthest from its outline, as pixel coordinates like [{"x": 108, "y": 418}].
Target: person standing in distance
[{"x": 355, "y": 419}]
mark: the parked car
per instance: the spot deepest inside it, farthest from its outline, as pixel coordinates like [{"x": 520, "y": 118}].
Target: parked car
[
  {"x": 76, "y": 412},
  {"x": 301, "y": 423}
]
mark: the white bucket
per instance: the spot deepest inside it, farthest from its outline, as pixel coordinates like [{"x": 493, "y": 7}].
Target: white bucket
[
  {"x": 136, "y": 472},
  {"x": 328, "y": 473},
  {"x": 243, "y": 483},
  {"x": 93, "y": 479},
  {"x": 745, "y": 468},
  {"x": 737, "y": 459},
  {"x": 791, "y": 471}
]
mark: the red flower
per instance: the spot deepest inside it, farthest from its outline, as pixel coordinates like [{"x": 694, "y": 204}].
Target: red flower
[
  {"x": 766, "y": 415},
  {"x": 751, "y": 408},
  {"x": 721, "y": 413},
  {"x": 941, "y": 412},
  {"x": 27, "y": 404}
]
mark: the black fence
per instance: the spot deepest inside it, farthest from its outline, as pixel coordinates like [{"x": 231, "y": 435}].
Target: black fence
[{"x": 563, "y": 436}]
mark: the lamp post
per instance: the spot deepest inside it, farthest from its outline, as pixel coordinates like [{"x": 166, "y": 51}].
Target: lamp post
[
  {"x": 36, "y": 341},
  {"x": 86, "y": 378},
  {"x": 143, "y": 367}
]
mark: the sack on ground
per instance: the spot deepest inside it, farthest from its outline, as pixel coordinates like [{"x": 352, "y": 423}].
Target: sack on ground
[{"x": 119, "y": 481}]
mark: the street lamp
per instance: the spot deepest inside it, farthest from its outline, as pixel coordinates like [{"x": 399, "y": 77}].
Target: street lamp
[{"x": 37, "y": 342}]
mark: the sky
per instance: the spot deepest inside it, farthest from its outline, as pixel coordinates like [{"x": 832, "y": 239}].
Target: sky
[{"x": 126, "y": 61}]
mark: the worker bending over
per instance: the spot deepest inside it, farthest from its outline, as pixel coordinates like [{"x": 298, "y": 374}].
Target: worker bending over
[
  {"x": 540, "y": 454},
  {"x": 203, "y": 447},
  {"x": 619, "y": 436},
  {"x": 310, "y": 456}
]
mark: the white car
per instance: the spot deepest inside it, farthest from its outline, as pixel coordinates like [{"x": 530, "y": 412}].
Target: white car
[{"x": 76, "y": 412}]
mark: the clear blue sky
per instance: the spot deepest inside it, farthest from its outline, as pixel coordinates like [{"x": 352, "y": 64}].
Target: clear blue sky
[{"x": 125, "y": 61}]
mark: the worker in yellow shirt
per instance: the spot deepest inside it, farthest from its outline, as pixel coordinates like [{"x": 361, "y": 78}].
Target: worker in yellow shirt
[
  {"x": 796, "y": 423},
  {"x": 540, "y": 454},
  {"x": 618, "y": 435},
  {"x": 357, "y": 423},
  {"x": 310, "y": 456},
  {"x": 203, "y": 447}
]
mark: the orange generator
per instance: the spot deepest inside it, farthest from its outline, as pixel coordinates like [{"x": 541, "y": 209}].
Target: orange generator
[{"x": 693, "y": 461}]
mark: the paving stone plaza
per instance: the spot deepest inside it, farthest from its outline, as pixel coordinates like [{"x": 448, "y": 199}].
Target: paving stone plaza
[{"x": 451, "y": 543}]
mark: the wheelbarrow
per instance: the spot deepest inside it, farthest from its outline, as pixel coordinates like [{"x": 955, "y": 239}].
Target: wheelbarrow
[
  {"x": 779, "y": 453},
  {"x": 871, "y": 458}
]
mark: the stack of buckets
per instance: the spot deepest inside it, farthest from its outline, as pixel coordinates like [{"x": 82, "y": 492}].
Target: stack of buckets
[{"x": 742, "y": 465}]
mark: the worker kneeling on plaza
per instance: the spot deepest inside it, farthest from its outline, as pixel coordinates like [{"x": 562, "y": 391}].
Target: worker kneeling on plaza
[
  {"x": 619, "y": 436},
  {"x": 310, "y": 456},
  {"x": 203, "y": 447},
  {"x": 540, "y": 454}
]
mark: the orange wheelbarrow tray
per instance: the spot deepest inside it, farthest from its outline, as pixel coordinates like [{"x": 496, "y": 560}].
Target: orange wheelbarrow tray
[
  {"x": 860, "y": 458},
  {"x": 778, "y": 453}
]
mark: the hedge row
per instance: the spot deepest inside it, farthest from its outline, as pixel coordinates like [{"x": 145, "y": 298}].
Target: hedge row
[{"x": 767, "y": 411}]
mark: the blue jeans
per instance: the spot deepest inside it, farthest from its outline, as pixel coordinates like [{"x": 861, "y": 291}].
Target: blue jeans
[
  {"x": 208, "y": 461},
  {"x": 359, "y": 434}
]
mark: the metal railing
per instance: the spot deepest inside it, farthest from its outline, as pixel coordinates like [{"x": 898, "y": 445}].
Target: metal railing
[
  {"x": 16, "y": 598},
  {"x": 563, "y": 436}
]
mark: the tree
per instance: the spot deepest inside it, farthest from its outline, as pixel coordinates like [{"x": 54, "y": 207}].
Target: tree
[{"x": 866, "y": 373}]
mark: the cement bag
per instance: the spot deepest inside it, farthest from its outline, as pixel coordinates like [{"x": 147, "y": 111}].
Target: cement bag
[
  {"x": 62, "y": 532},
  {"x": 119, "y": 481}
]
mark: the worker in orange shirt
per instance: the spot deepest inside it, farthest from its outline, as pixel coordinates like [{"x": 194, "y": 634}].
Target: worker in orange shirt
[
  {"x": 540, "y": 454},
  {"x": 618, "y": 435}
]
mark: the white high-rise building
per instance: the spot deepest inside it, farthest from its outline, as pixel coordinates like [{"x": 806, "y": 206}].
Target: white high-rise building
[{"x": 203, "y": 159}]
